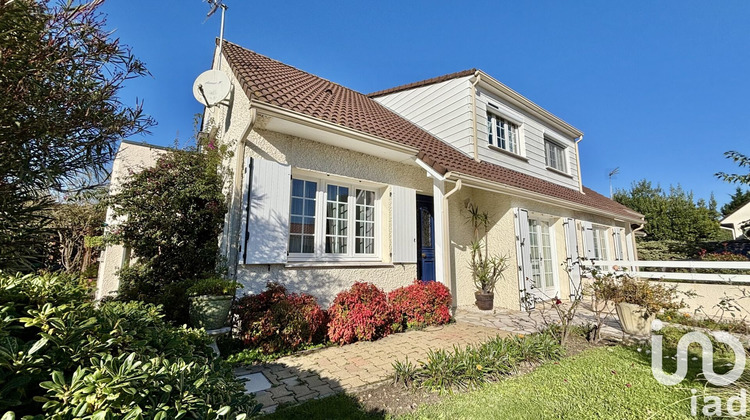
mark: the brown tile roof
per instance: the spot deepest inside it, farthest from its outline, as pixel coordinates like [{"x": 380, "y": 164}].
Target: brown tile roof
[
  {"x": 267, "y": 80},
  {"x": 426, "y": 82}
]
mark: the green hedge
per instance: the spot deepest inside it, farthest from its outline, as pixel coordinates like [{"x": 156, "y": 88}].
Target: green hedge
[{"x": 62, "y": 355}]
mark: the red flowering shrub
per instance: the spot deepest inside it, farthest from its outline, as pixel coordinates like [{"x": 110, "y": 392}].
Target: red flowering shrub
[
  {"x": 360, "y": 313},
  {"x": 275, "y": 320},
  {"x": 421, "y": 304}
]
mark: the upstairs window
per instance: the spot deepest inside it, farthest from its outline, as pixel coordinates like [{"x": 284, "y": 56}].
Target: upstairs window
[
  {"x": 555, "y": 155},
  {"x": 502, "y": 133}
]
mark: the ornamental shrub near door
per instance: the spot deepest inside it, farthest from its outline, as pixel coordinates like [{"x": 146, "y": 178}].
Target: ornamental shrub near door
[
  {"x": 361, "y": 313},
  {"x": 421, "y": 304}
]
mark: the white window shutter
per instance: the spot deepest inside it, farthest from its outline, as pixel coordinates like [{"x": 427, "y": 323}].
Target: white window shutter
[
  {"x": 617, "y": 237},
  {"x": 267, "y": 210},
  {"x": 404, "y": 224},
  {"x": 571, "y": 249},
  {"x": 524, "y": 259},
  {"x": 588, "y": 239},
  {"x": 629, "y": 246}
]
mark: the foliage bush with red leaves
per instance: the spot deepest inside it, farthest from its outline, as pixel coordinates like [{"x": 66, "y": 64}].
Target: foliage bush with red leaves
[
  {"x": 421, "y": 304},
  {"x": 361, "y": 313},
  {"x": 276, "y": 321}
]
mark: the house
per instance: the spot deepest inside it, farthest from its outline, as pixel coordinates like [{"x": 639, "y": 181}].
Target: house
[
  {"x": 738, "y": 222},
  {"x": 332, "y": 186}
]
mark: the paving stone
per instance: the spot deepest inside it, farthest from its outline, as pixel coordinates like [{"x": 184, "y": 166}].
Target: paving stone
[
  {"x": 286, "y": 400},
  {"x": 279, "y": 391},
  {"x": 270, "y": 409},
  {"x": 265, "y": 400}
]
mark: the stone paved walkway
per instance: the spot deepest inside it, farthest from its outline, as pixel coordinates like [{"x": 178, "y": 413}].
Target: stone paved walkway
[{"x": 323, "y": 372}]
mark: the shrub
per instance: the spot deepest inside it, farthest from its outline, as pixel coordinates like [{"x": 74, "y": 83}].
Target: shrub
[
  {"x": 360, "y": 313},
  {"x": 277, "y": 321},
  {"x": 61, "y": 355},
  {"x": 171, "y": 216},
  {"x": 473, "y": 366},
  {"x": 420, "y": 304},
  {"x": 651, "y": 296},
  {"x": 213, "y": 286}
]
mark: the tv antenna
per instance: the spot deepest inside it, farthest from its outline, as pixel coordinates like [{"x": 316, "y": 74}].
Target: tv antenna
[
  {"x": 213, "y": 86},
  {"x": 612, "y": 173}
]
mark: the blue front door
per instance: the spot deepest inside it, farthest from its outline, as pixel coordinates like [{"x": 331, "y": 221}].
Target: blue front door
[{"x": 425, "y": 238}]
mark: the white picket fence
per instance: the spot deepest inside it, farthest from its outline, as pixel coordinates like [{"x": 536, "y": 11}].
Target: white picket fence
[{"x": 655, "y": 272}]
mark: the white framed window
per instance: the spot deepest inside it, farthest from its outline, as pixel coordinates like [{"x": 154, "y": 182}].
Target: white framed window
[
  {"x": 503, "y": 134},
  {"x": 601, "y": 243},
  {"x": 555, "y": 156},
  {"x": 543, "y": 256},
  {"x": 333, "y": 220}
]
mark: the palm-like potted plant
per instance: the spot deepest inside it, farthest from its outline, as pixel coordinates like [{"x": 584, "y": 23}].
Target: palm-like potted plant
[
  {"x": 211, "y": 301},
  {"x": 487, "y": 269}
]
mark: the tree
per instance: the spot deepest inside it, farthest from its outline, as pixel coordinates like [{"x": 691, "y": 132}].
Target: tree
[
  {"x": 172, "y": 216},
  {"x": 78, "y": 224},
  {"x": 674, "y": 215},
  {"x": 736, "y": 200},
  {"x": 742, "y": 161},
  {"x": 60, "y": 116}
]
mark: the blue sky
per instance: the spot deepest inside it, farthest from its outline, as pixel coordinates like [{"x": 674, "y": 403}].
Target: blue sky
[{"x": 660, "y": 89}]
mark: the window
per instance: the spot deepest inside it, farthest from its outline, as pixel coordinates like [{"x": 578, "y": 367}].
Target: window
[
  {"x": 542, "y": 264},
  {"x": 332, "y": 221},
  {"x": 502, "y": 133},
  {"x": 555, "y": 155},
  {"x": 601, "y": 248}
]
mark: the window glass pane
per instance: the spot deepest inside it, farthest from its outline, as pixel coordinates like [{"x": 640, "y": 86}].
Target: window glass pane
[
  {"x": 302, "y": 217},
  {"x": 337, "y": 219},
  {"x": 364, "y": 222},
  {"x": 500, "y": 132}
]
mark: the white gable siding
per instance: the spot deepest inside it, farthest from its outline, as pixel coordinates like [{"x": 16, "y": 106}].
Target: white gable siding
[
  {"x": 442, "y": 109},
  {"x": 532, "y": 135}
]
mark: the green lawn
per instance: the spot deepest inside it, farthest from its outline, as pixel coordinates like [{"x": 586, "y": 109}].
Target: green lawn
[
  {"x": 605, "y": 382},
  {"x": 613, "y": 382}
]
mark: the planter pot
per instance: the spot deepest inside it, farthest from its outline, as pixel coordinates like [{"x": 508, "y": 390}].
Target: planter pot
[
  {"x": 484, "y": 301},
  {"x": 210, "y": 312},
  {"x": 633, "y": 320}
]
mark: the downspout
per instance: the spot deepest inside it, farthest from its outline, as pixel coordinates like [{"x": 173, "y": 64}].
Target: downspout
[
  {"x": 635, "y": 248},
  {"x": 446, "y": 236},
  {"x": 578, "y": 165},
  {"x": 475, "y": 141},
  {"x": 236, "y": 200}
]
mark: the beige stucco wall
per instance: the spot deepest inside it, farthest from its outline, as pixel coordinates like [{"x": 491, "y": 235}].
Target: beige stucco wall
[
  {"x": 130, "y": 158},
  {"x": 502, "y": 241}
]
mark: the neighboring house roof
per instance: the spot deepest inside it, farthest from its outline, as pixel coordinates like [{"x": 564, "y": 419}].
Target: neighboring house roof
[
  {"x": 422, "y": 83},
  {"x": 267, "y": 80}
]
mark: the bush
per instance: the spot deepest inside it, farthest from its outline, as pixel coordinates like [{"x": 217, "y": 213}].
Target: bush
[
  {"x": 420, "y": 304},
  {"x": 651, "y": 296},
  {"x": 277, "y": 321},
  {"x": 475, "y": 365},
  {"x": 213, "y": 286},
  {"x": 360, "y": 313},
  {"x": 61, "y": 355}
]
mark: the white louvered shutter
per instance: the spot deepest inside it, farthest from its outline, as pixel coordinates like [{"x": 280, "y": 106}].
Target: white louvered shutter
[
  {"x": 524, "y": 259},
  {"x": 404, "y": 224},
  {"x": 267, "y": 210},
  {"x": 571, "y": 249},
  {"x": 588, "y": 239},
  {"x": 617, "y": 237}
]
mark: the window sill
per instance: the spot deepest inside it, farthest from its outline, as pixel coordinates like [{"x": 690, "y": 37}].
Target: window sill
[
  {"x": 337, "y": 264},
  {"x": 511, "y": 154},
  {"x": 559, "y": 172}
]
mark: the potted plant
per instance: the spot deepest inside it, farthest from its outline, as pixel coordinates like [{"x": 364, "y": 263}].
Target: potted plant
[
  {"x": 486, "y": 269},
  {"x": 210, "y": 302},
  {"x": 638, "y": 301}
]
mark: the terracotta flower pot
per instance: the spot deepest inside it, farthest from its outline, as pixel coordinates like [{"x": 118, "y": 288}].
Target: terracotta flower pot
[
  {"x": 210, "y": 312},
  {"x": 484, "y": 301},
  {"x": 633, "y": 320}
]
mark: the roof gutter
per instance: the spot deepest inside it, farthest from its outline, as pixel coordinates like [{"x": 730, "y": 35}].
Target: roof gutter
[
  {"x": 475, "y": 182},
  {"x": 283, "y": 113},
  {"x": 475, "y": 141},
  {"x": 578, "y": 165}
]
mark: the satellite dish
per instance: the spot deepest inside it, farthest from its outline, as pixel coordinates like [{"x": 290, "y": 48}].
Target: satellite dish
[{"x": 211, "y": 87}]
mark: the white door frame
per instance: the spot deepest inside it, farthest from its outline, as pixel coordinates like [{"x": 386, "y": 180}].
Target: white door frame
[{"x": 551, "y": 221}]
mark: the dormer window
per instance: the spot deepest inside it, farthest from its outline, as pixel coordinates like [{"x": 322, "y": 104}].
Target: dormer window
[
  {"x": 502, "y": 133},
  {"x": 555, "y": 155}
]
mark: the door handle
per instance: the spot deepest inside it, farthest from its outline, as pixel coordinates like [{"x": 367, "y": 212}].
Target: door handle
[{"x": 424, "y": 255}]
